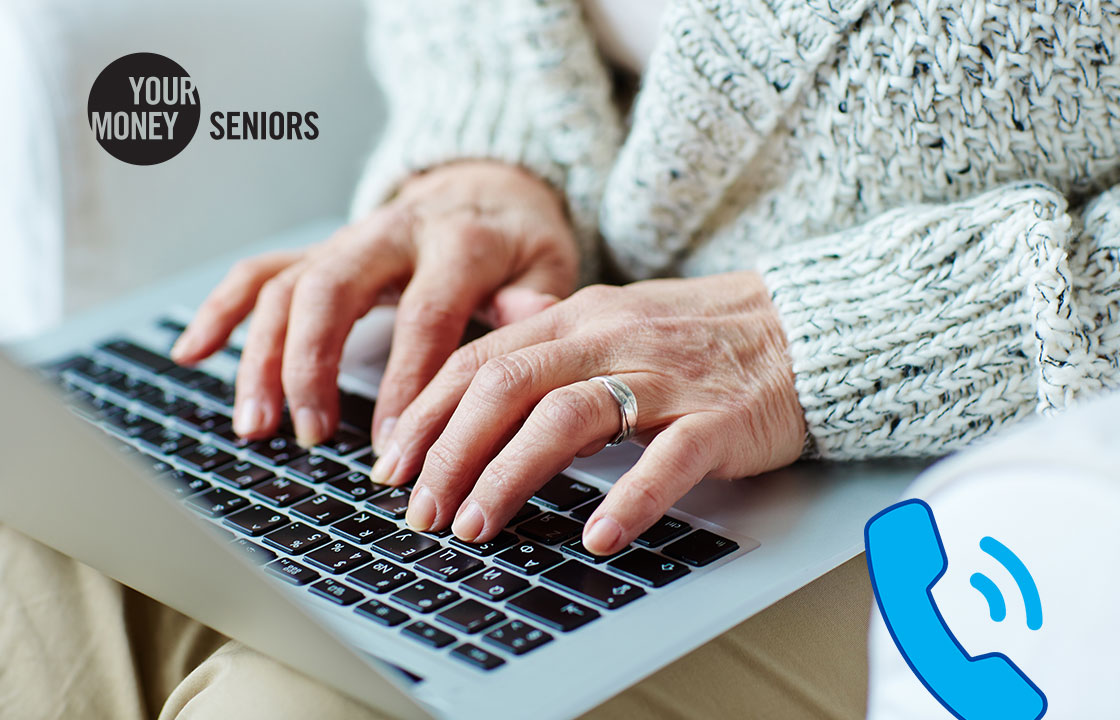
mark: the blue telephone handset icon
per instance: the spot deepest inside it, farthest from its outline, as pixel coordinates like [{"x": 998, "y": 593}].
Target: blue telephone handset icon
[{"x": 906, "y": 558}]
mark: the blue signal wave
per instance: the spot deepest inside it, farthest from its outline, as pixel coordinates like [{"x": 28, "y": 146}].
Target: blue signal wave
[{"x": 1019, "y": 573}]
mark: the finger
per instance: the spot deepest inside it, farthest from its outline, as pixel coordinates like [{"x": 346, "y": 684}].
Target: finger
[
  {"x": 431, "y": 317},
  {"x": 501, "y": 396},
  {"x": 677, "y": 458},
  {"x": 424, "y": 419},
  {"x": 228, "y": 304},
  {"x": 329, "y": 297},
  {"x": 259, "y": 396},
  {"x": 513, "y": 304},
  {"x": 539, "y": 288},
  {"x": 565, "y": 421}
]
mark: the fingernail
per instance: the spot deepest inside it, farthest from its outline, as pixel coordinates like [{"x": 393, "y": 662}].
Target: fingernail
[
  {"x": 249, "y": 417},
  {"x": 602, "y": 536},
  {"x": 383, "y": 469},
  {"x": 311, "y": 426},
  {"x": 383, "y": 432},
  {"x": 182, "y": 346},
  {"x": 469, "y": 522},
  {"x": 421, "y": 510}
]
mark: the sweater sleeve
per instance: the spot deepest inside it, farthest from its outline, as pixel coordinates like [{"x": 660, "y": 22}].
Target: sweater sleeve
[
  {"x": 927, "y": 327},
  {"x": 509, "y": 80}
]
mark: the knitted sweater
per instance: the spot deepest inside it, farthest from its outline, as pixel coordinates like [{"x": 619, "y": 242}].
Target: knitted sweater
[{"x": 914, "y": 179}]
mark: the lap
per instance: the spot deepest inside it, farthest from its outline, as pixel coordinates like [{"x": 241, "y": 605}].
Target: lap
[{"x": 77, "y": 644}]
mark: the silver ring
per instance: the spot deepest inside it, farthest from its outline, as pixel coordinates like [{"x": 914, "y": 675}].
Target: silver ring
[{"x": 627, "y": 407}]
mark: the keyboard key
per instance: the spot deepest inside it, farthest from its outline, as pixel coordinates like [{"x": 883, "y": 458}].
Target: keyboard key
[
  {"x": 164, "y": 402},
  {"x": 137, "y": 355},
  {"x": 500, "y": 542},
  {"x": 219, "y": 391},
  {"x": 425, "y": 596},
  {"x": 583, "y": 512},
  {"x": 364, "y": 527},
  {"x": 550, "y": 529},
  {"x": 131, "y": 425},
  {"x": 279, "y": 450},
  {"x": 470, "y": 616},
  {"x": 129, "y": 386},
  {"x": 204, "y": 458},
  {"x": 315, "y": 468},
  {"x": 407, "y": 545},
  {"x": 166, "y": 441},
  {"x": 495, "y": 584},
  {"x": 476, "y": 656},
  {"x": 429, "y": 635},
  {"x": 529, "y": 558},
  {"x": 297, "y": 538},
  {"x": 593, "y": 585},
  {"x": 700, "y": 548},
  {"x": 527, "y": 511},
  {"x": 356, "y": 411},
  {"x": 391, "y": 504},
  {"x": 227, "y": 436},
  {"x": 576, "y": 548},
  {"x": 254, "y": 552},
  {"x": 346, "y": 442},
  {"x": 190, "y": 378},
  {"x": 336, "y": 592},
  {"x": 355, "y": 486},
  {"x": 382, "y": 576},
  {"x": 282, "y": 491},
  {"x": 662, "y": 531},
  {"x": 517, "y": 637},
  {"x": 364, "y": 461},
  {"x": 217, "y": 502},
  {"x": 450, "y": 565},
  {"x": 649, "y": 568},
  {"x": 338, "y": 557},
  {"x": 257, "y": 520},
  {"x": 202, "y": 419},
  {"x": 382, "y": 614},
  {"x": 183, "y": 484},
  {"x": 292, "y": 571},
  {"x": 243, "y": 475},
  {"x": 322, "y": 509},
  {"x": 564, "y": 493},
  {"x": 552, "y": 609}
]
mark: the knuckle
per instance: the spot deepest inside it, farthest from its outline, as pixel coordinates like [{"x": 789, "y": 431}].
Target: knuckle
[
  {"x": 441, "y": 462},
  {"x": 646, "y": 496},
  {"x": 296, "y": 374},
  {"x": 321, "y": 289},
  {"x": 275, "y": 292},
  {"x": 595, "y": 295},
  {"x": 244, "y": 271},
  {"x": 427, "y": 316},
  {"x": 510, "y": 374},
  {"x": 571, "y": 408},
  {"x": 466, "y": 360}
]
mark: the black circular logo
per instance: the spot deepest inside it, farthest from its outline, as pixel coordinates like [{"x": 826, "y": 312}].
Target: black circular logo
[{"x": 144, "y": 109}]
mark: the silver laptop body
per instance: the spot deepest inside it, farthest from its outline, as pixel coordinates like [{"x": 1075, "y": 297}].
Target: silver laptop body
[{"x": 67, "y": 483}]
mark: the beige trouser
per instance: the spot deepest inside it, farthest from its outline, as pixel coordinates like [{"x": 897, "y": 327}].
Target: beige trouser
[{"x": 76, "y": 645}]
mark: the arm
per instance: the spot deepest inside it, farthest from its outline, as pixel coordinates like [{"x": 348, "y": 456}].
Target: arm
[
  {"x": 503, "y": 80},
  {"x": 929, "y": 326}
]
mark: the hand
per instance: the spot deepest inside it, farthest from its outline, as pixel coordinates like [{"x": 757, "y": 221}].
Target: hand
[
  {"x": 464, "y": 238},
  {"x": 706, "y": 359}
]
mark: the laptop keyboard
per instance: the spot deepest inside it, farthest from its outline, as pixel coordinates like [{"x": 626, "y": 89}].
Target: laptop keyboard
[{"x": 313, "y": 519}]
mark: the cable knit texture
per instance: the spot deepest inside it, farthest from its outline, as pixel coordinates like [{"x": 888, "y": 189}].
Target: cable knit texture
[{"x": 915, "y": 180}]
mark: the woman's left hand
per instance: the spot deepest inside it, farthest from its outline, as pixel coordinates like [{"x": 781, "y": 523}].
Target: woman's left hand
[{"x": 706, "y": 359}]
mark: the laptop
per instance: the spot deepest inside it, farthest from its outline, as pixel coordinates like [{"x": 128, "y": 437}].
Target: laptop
[{"x": 119, "y": 458}]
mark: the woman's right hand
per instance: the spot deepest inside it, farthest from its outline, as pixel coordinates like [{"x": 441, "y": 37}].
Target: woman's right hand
[{"x": 460, "y": 239}]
